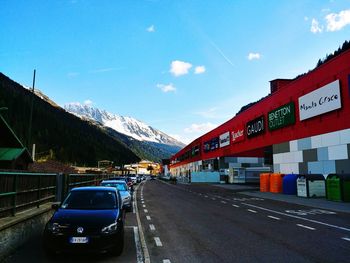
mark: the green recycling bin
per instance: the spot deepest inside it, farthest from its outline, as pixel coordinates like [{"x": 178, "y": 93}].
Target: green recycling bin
[
  {"x": 338, "y": 187},
  {"x": 333, "y": 186}
]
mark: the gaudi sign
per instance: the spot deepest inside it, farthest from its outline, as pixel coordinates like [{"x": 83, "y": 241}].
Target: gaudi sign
[
  {"x": 320, "y": 101},
  {"x": 281, "y": 117},
  {"x": 255, "y": 127},
  {"x": 225, "y": 139}
]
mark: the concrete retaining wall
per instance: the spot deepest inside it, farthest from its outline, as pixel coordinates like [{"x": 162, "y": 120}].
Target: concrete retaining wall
[{"x": 17, "y": 230}]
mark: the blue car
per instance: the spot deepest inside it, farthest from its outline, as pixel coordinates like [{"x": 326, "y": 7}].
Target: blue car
[{"x": 90, "y": 219}]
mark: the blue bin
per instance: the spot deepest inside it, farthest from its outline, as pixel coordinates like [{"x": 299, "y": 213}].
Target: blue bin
[{"x": 289, "y": 184}]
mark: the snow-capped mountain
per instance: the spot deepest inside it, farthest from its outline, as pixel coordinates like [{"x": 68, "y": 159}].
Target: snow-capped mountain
[{"x": 126, "y": 125}]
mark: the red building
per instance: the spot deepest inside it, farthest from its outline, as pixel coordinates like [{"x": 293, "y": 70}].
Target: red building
[{"x": 302, "y": 126}]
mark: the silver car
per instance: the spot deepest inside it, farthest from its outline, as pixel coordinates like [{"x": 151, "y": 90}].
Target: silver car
[{"x": 123, "y": 190}]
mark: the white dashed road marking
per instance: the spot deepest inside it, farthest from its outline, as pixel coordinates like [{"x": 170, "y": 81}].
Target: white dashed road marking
[
  {"x": 252, "y": 211},
  {"x": 143, "y": 205},
  {"x": 235, "y": 206},
  {"x": 298, "y": 217},
  {"x": 145, "y": 210},
  {"x": 273, "y": 217},
  {"x": 345, "y": 238},
  {"x": 152, "y": 227},
  {"x": 224, "y": 202},
  {"x": 158, "y": 242},
  {"x": 166, "y": 261},
  {"x": 307, "y": 227},
  {"x": 148, "y": 217}
]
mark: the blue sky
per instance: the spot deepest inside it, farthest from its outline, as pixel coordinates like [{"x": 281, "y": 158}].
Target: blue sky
[{"x": 183, "y": 67}]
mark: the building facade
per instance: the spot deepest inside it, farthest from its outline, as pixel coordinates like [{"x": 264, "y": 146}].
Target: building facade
[{"x": 302, "y": 126}]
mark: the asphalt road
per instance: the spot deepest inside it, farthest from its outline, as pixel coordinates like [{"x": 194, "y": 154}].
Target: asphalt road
[{"x": 201, "y": 223}]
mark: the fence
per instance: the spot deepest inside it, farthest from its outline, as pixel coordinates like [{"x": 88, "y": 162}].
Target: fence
[{"x": 21, "y": 191}]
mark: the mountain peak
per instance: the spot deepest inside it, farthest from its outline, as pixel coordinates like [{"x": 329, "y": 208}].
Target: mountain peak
[{"x": 123, "y": 124}]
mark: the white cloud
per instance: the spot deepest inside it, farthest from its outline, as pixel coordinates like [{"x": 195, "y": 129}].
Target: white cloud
[
  {"x": 179, "y": 68},
  {"x": 200, "y": 128},
  {"x": 167, "y": 88},
  {"x": 336, "y": 22},
  {"x": 252, "y": 56},
  {"x": 306, "y": 18},
  {"x": 151, "y": 29},
  {"x": 199, "y": 70},
  {"x": 315, "y": 27}
]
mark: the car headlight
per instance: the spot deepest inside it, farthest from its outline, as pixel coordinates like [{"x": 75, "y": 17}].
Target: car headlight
[
  {"x": 53, "y": 227},
  {"x": 110, "y": 228}
]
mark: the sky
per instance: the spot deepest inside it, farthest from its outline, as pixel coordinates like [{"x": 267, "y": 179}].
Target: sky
[{"x": 182, "y": 66}]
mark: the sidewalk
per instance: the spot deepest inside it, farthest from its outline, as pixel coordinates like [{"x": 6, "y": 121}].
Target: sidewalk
[{"x": 321, "y": 203}]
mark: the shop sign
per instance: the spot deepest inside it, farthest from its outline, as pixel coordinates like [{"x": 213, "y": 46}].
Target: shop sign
[
  {"x": 214, "y": 144},
  {"x": 255, "y": 127},
  {"x": 237, "y": 135},
  {"x": 225, "y": 139},
  {"x": 281, "y": 117},
  {"x": 320, "y": 101}
]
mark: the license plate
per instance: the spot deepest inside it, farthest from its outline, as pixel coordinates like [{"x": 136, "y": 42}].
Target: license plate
[{"x": 79, "y": 240}]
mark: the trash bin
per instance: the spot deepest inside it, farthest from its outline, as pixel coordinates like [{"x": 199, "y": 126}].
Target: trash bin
[
  {"x": 311, "y": 185},
  {"x": 289, "y": 184},
  {"x": 276, "y": 183},
  {"x": 345, "y": 186},
  {"x": 302, "y": 190},
  {"x": 333, "y": 187},
  {"x": 264, "y": 182},
  {"x": 338, "y": 187}
]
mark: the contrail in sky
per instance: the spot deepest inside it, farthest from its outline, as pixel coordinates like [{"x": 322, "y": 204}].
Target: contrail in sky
[{"x": 221, "y": 53}]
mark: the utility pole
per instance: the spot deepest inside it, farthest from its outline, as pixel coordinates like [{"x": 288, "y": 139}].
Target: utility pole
[{"x": 31, "y": 114}]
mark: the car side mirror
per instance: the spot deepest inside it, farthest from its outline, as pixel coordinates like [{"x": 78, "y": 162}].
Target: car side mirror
[{"x": 55, "y": 206}]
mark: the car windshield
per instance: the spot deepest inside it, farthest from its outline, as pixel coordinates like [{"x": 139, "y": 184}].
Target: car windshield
[
  {"x": 90, "y": 200},
  {"x": 119, "y": 186}
]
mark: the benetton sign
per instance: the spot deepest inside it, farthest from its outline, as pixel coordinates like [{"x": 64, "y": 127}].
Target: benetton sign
[
  {"x": 255, "y": 127},
  {"x": 281, "y": 117},
  {"x": 320, "y": 101}
]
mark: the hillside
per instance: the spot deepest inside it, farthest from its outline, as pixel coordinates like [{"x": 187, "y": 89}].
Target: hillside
[{"x": 57, "y": 133}]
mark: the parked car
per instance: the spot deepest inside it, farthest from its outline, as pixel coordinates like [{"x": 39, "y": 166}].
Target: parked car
[
  {"x": 123, "y": 190},
  {"x": 133, "y": 179},
  {"x": 90, "y": 219}
]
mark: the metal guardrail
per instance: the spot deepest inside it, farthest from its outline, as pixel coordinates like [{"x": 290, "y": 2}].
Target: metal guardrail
[{"x": 21, "y": 191}]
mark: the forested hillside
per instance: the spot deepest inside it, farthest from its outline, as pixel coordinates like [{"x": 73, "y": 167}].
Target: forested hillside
[{"x": 56, "y": 133}]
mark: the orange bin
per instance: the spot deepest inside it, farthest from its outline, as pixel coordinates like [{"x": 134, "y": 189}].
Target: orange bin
[
  {"x": 276, "y": 181},
  {"x": 265, "y": 182}
]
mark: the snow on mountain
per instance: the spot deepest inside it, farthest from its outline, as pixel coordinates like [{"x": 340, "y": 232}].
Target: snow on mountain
[{"x": 126, "y": 125}]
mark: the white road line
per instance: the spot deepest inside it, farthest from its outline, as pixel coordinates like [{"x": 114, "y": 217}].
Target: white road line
[
  {"x": 143, "y": 205},
  {"x": 298, "y": 217},
  {"x": 148, "y": 217},
  {"x": 236, "y": 206},
  {"x": 307, "y": 227},
  {"x": 146, "y": 257},
  {"x": 145, "y": 210},
  {"x": 345, "y": 238},
  {"x": 166, "y": 261},
  {"x": 138, "y": 245},
  {"x": 224, "y": 202},
  {"x": 142, "y": 202},
  {"x": 206, "y": 196},
  {"x": 152, "y": 227},
  {"x": 273, "y": 217},
  {"x": 213, "y": 199},
  {"x": 158, "y": 242},
  {"x": 250, "y": 210}
]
